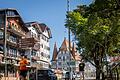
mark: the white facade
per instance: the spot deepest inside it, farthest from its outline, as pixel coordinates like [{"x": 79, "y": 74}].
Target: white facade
[
  {"x": 44, "y": 49},
  {"x": 63, "y": 59},
  {"x": 31, "y": 52},
  {"x": 43, "y": 53}
]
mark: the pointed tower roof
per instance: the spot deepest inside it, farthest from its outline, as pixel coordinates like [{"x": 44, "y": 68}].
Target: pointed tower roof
[
  {"x": 65, "y": 45},
  {"x": 55, "y": 53},
  {"x": 75, "y": 53}
]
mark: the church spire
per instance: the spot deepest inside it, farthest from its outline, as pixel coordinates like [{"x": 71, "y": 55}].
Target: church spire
[
  {"x": 55, "y": 53},
  {"x": 65, "y": 45}
]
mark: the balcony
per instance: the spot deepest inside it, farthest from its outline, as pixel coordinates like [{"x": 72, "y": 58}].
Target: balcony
[
  {"x": 35, "y": 58},
  {"x": 14, "y": 31},
  {"x": 32, "y": 35},
  {"x": 12, "y": 56},
  {"x": 11, "y": 43},
  {"x": 17, "y": 32},
  {"x": 35, "y": 37},
  {"x": 27, "y": 43}
]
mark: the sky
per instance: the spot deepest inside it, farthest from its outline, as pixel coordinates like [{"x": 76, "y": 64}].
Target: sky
[{"x": 50, "y": 12}]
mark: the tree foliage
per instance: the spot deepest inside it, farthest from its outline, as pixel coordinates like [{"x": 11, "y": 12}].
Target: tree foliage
[
  {"x": 97, "y": 30},
  {"x": 98, "y": 23}
]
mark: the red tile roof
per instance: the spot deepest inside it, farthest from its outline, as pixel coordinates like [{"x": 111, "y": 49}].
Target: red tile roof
[{"x": 65, "y": 47}]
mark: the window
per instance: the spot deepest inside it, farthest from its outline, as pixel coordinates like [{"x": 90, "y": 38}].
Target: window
[
  {"x": 48, "y": 56},
  {"x": 9, "y": 24},
  {"x": 51, "y": 72},
  {"x": 22, "y": 52},
  {"x": 1, "y": 48},
  {"x": 46, "y": 47},
  {"x": 13, "y": 52},
  {"x": 1, "y": 35},
  {"x": 42, "y": 45},
  {"x": 33, "y": 29},
  {"x": 42, "y": 54},
  {"x": 59, "y": 57},
  {"x": 68, "y": 63},
  {"x": 44, "y": 38},
  {"x": 68, "y": 57},
  {"x": 33, "y": 53},
  {"x": 2, "y": 12},
  {"x": 13, "y": 39},
  {"x": 12, "y": 25},
  {"x": 59, "y": 63},
  {"x": 15, "y": 27},
  {"x": 1, "y": 21},
  {"x": 63, "y": 58},
  {"x": 47, "y": 40}
]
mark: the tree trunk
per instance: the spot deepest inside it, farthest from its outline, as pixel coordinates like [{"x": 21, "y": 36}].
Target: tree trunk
[
  {"x": 97, "y": 73},
  {"x": 97, "y": 69},
  {"x": 117, "y": 74},
  {"x": 111, "y": 74},
  {"x": 103, "y": 76}
]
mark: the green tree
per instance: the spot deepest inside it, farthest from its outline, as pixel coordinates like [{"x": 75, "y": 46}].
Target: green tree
[{"x": 97, "y": 29}]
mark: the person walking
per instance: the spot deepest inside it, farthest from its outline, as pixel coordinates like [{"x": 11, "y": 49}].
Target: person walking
[
  {"x": 81, "y": 69},
  {"x": 23, "y": 67}
]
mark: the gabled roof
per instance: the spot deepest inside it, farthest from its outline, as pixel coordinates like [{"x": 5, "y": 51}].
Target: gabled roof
[
  {"x": 35, "y": 25},
  {"x": 65, "y": 45},
  {"x": 75, "y": 53},
  {"x": 55, "y": 53},
  {"x": 73, "y": 50},
  {"x": 15, "y": 15},
  {"x": 40, "y": 27},
  {"x": 45, "y": 27}
]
